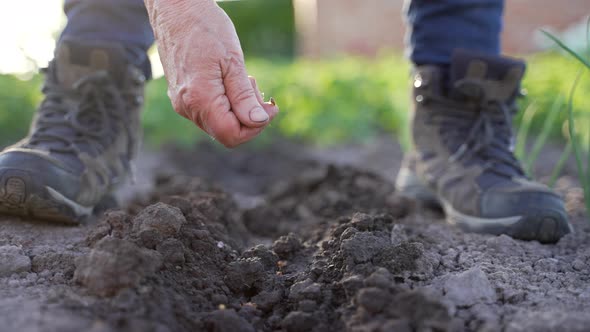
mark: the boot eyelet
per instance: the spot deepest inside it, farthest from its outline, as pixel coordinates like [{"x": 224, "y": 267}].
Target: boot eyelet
[{"x": 418, "y": 82}]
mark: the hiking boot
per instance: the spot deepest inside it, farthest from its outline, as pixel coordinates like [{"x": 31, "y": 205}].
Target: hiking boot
[
  {"x": 463, "y": 151},
  {"x": 82, "y": 139}
]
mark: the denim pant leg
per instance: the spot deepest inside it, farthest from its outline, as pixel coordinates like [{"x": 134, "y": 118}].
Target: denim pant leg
[
  {"x": 436, "y": 27},
  {"x": 119, "y": 21}
]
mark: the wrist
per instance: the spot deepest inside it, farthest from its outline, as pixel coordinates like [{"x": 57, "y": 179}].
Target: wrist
[
  {"x": 162, "y": 9},
  {"x": 174, "y": 4}
]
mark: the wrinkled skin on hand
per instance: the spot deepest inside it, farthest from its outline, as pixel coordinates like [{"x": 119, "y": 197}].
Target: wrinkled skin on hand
[{"x": 204, "y": 65}]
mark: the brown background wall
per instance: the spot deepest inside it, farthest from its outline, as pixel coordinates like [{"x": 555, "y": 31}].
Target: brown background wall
[
  {"x": 523, "y": 18},
  {"x": 329, "y": 27}
]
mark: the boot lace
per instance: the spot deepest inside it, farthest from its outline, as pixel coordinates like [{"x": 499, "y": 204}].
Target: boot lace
[
  {"x": 79, "y": 119},
  {"x": 479, "y": 131}
]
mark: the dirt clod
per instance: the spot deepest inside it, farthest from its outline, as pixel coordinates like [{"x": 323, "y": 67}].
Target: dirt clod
[
  {"x": 172, "y": 251},
  {"x": 158, "y": 222},
  {"x": 373, "y": 300},
  {"x": 469, "y": 288},
  {"x": 115, "y": 264},
  {"x": 297, "y": 321},
  {"x": 287, "y": 246},
  {"x": 227, "y": 320},
  {"x": 13, "y": 260}
]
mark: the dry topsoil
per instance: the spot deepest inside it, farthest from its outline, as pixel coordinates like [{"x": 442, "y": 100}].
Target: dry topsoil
[{"x": 295, "y": 245}]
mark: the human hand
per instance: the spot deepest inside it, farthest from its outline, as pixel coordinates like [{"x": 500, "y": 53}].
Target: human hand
[{"x": 204, "y": 65}]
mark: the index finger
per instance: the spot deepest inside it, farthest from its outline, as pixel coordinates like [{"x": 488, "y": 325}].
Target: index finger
[{"x": 226, "y": 128}]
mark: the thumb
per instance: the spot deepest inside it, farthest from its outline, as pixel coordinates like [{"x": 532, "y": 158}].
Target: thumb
[{"x": 242, "y": 97}]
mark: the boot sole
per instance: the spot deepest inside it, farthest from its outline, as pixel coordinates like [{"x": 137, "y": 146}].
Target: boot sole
[
  {"x": 23, "y": 194},
  {"x": 543, "y": 225}
]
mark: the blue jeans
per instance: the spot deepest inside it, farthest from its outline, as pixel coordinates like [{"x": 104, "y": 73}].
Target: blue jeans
[
  {"x": 120, "y": 21},
  {"x": 436, "y": 27}
]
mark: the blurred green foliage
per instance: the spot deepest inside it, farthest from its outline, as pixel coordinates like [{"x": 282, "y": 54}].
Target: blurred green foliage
[
  {"x": 549, "y": 79},
  {"x": 266, "y": 27},
  {"x": 18, "y": 100},
  {"x": 160, "y": 123},
  {"x": 579, "y": 141},
  {"x": 337, "y": 100},
  {"x": 322, "y": 101}
]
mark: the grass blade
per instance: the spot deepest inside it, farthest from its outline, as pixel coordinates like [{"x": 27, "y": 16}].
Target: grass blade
[
  {"x": 523, "y": 131},
  {"x": 577, "y": 146},
  {"x": 543, "y": 135},
  {"x": 588, "y": 158},
  {"x": 567, "y": 49},
  {"x": 558, "y": 168}
]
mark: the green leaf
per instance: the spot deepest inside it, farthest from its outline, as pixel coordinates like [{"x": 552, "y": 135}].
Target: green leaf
[
  {"x": 567, "y": 49},
  {"x": 523, "y": 131},
  {"x": 577, "y": 146},
  {"x": 557, "y": 169},
  {"x": 541, "y": 140}
]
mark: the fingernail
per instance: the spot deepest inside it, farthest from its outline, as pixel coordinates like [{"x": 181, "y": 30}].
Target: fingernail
[
  {"x": 258, "y": 115},
  {"x": 273, "y": 102}
]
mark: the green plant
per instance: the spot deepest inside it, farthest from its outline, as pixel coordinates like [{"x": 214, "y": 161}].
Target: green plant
[
  {"x": 556, "y": 172},
  {"x": 579, "y": 148},
  {"x": 542, "y": 137},
  {"x": 18, "y": 101},
  {"x": 265, "y": 27},
  {"x": 523, "y": 131},
  {"x": 544, "y": 132},
  {"x": 327, "y": 102},
  {"x": 160, "y": 123},
  {"x": 339, "y": 99}
]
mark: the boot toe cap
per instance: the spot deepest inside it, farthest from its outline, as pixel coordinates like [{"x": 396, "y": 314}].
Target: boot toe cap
[{"x": 36, "y": 187}]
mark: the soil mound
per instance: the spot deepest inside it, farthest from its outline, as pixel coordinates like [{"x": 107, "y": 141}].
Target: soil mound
[
  {"x": 331, "y": 248},
  {"x": 184, "y": 262}
]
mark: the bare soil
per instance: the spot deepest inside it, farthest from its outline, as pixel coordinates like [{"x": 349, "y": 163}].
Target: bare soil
[{"x": 287, "y": 238}]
